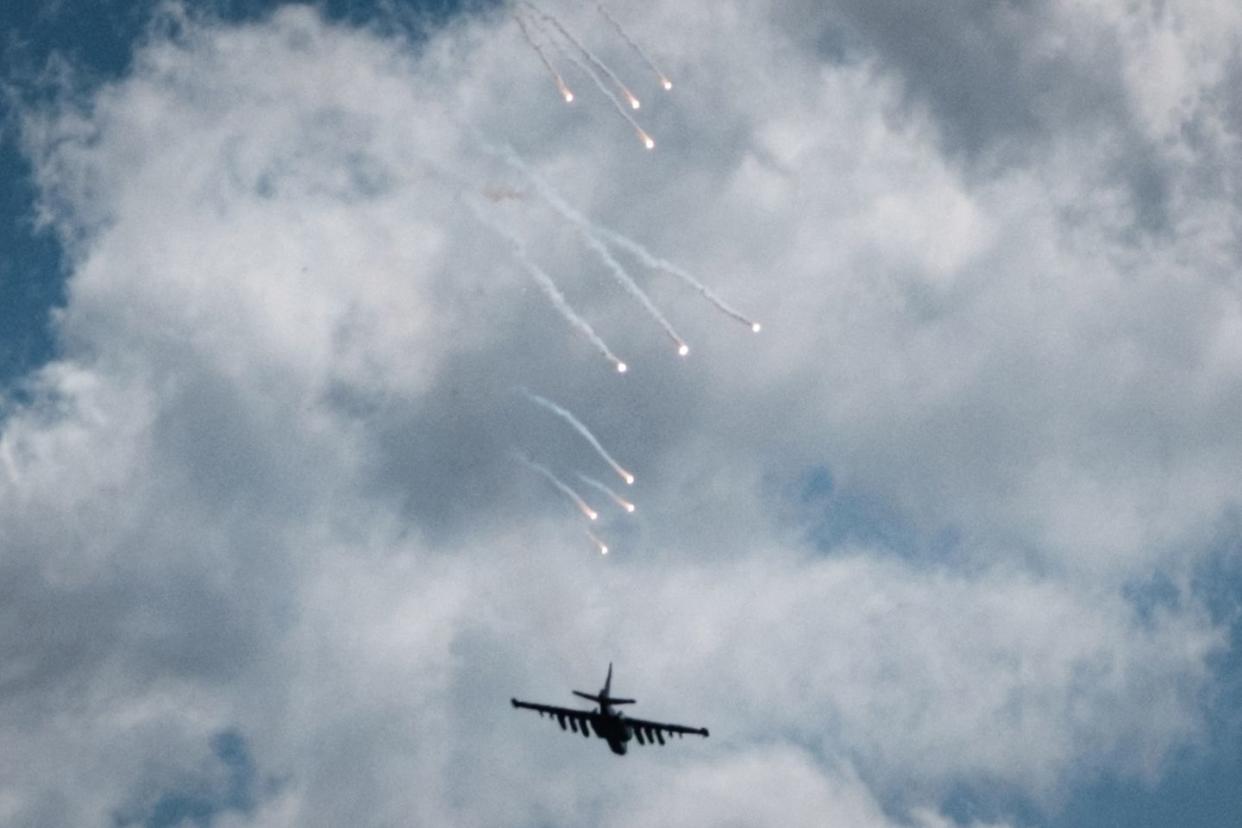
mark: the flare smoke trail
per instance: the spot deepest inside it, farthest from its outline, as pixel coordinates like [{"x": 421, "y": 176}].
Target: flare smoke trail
[
  {"x": 603, "y": 547},
  {"x": 596, "y": 62},
  {"x": 538, "y": 468},
  {"x": 551, "y": 290},
  {"x": 616, "y": 498},
  {"x": 566, "y": 93},
  {"x": 664, "y": 81},
  {"x": 651, "y": 261},
  {"x": 583, "y": 430},
  {"x": 553, "y": 198},
  {"x": 592, "y": 231},
  {"x": 628, "y": 283}
]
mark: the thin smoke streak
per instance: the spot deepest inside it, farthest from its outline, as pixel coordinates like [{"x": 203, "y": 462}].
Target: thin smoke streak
[
  {"x": 585, "y": 227},
  {"x": 648, "y": 142},
  {"x": 565, "y": 91},
  {"x": 564, "y": 489},
  {"x": 599, "y": 64},
  {"x": 598, "y": 486},
  {"x": 578, "y": 426},
  {"x": 668, "y": 267},
  {"x": 550, "y": 289},
  {"x": 642, "y": 53},
  {"x": 593, "y": 230},
  {"x": 630, "y": 285}
]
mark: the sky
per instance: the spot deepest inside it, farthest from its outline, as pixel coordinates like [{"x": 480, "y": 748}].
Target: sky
[{"x": 953, "y": 541}]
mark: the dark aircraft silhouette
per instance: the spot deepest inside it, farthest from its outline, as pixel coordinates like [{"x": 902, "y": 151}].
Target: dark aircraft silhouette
[{"x": 608, "y": 724}]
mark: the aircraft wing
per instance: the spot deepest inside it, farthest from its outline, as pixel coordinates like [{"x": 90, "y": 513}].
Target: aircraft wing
[
  {"x": 577, "y": 719},
  {"x": 647, "y": 732}
]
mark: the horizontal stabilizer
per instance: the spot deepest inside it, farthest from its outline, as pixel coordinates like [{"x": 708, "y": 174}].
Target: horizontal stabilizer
[{"x": 602, "y": 699}]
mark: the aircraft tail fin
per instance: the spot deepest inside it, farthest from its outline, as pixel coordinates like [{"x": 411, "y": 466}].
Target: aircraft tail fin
[{"x": 603, "y": 697}]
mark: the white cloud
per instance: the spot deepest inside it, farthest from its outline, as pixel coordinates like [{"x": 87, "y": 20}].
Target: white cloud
[{"x": 265, "y": 487}]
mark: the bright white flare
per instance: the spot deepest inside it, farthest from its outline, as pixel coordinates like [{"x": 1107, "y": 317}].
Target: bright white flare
[
  {"x": 647, "y": 142},
  {"x": 634, "y": 103},
  {"x": 603, "y": 547},
  {"x": 667, "y": 84},
  {"x": 756, "y": 327},
  {"x": 556, "y": 76},
  {"x": 683, "y": 350},
  {"x": 616, "y": 498},
  {"x": 622, "y": 367}
]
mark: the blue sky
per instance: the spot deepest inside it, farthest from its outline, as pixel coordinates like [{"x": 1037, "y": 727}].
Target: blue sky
[{"x": 953, "y": 542}]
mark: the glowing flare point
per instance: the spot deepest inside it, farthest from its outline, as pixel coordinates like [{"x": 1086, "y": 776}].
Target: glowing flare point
[
  {"x": 616, "y": 498},
  {"x": 593, "y": 515},
  {"x": 634, "y": 103},
  {"x": 647, "y": 142},
  {"x": 569, "y": 96},
  {"x": 683, "y": 349},
  {"x": 628, "y": 478},
  {"x": 668, "y": 84},
  {"x": 622, "y": 367},
  {"x": 756, "y": 327}
]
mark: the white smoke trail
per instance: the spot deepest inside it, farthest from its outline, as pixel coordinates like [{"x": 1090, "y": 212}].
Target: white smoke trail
[
  {"x": 593, "y": 231},
  {"x": 556, "y": 481},
  {"x": 664, "y": 81},
  {"x": 565, "y": 91},
  {"x": 668, "y": 267},
  {"x": 583, "y": 430},
  {"x": 628, "y": 283},
  {"x": 616, "y": 498},
  {"x": 591, "y": 58},
  {"x": 550, "y": 289},
  {"x": 554, "y": 199}
]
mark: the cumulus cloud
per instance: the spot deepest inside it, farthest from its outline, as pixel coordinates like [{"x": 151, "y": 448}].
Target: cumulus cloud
[{"x": 264, "y": 496}]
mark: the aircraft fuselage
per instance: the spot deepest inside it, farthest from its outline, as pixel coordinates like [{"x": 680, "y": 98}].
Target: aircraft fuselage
[{"x": 615, "y": 732}]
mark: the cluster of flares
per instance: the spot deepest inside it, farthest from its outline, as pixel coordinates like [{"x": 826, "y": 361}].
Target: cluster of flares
[
  {"x": 554, "y": 44},
  {"x": 564, "y": 488},
  {"x": 538, "y": 27}
]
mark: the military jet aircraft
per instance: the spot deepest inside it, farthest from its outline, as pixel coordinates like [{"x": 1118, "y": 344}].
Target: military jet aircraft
[{"x": 608, "y": 724}]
